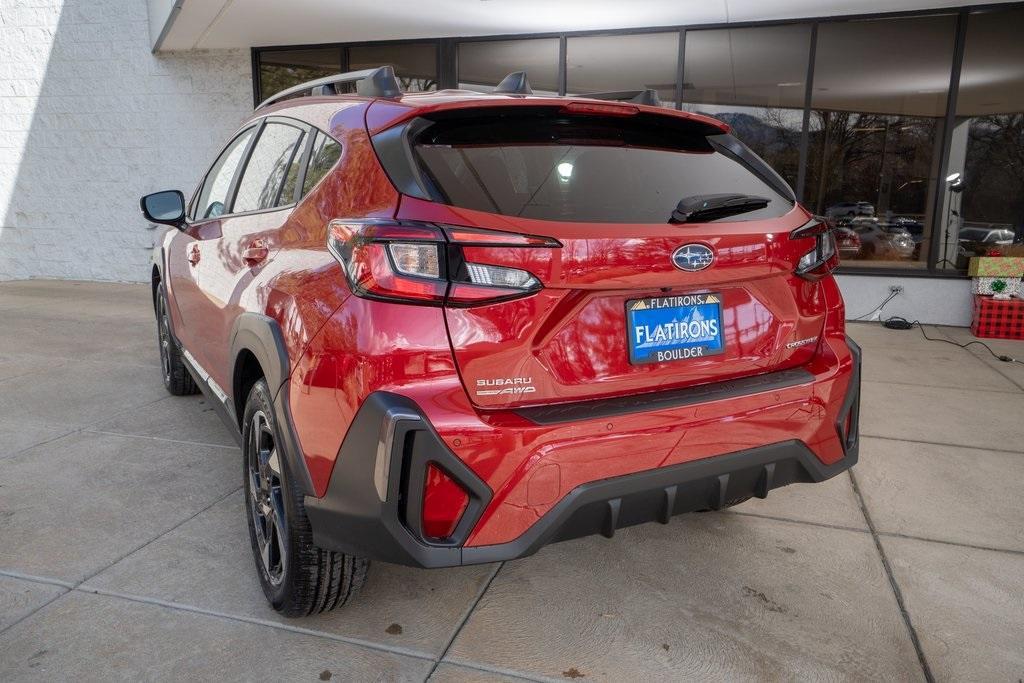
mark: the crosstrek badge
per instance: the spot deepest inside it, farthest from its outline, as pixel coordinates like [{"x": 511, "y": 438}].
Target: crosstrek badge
[{"x": 671, "y": 328}]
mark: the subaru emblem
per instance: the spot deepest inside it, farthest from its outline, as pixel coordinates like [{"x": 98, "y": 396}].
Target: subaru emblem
[{"x": 692, "y": 257}]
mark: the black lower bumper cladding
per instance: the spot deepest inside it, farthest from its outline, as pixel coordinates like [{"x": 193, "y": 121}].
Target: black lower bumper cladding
[{"x": 352, "y": 518}]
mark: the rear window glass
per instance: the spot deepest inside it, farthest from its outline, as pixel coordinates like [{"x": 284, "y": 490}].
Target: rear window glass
[
  {"x": 325, "y": 154},
  {"x": 586, "y": 169}
]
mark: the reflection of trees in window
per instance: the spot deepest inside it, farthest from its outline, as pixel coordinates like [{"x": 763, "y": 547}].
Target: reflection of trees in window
[
  {"x": 881, "y": 159},
  {"x": 276, "y": 77},
  {"x": 772, "y": 133},
  {"x": 994, "y": 174}
]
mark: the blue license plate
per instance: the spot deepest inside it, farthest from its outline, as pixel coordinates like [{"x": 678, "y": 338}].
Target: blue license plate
[{"x": 669, "y": 328}]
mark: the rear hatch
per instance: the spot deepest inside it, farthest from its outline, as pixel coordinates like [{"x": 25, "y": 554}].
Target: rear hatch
[{"x": 632, "y": 297}]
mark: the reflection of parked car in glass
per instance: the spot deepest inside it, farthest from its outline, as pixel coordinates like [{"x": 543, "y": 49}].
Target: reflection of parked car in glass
[
  {"x": 913, "y": 226},
  {"x": 878, "y": 242},
  {"x": 978, "y": 240},
  {"x": 848, "y": 242},
  {"x": 850, "y": 209}
]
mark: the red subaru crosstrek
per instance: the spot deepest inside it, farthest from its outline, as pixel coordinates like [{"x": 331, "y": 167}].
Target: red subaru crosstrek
[{"x": 449, "y": 328}]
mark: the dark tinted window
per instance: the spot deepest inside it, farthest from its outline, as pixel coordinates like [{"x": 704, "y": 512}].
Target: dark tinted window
[
  {"x": 987, "y": 140},
  {"x": 273, "y": 155},
  {"x": 214, "y": 195},
  {"x": 280, "y": 69},
  {"x": 754, "y": 79},
  {"x": 878, "y": 106},
  {"x": 324, "y": 155},
  {"x": 623, "y": 62},
  {"x": 415, "y": 64},
  {"x": 483, "y": 64},
  {"x": 586, "y": 169}
]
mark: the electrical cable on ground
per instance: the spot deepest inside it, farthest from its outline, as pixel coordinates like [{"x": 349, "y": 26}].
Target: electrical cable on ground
[{"x": 898, "y": 323}]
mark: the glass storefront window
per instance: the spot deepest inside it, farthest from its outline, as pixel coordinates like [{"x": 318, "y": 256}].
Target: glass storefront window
[
  {"x": 754, "y": 79},
  {"x": 415, "y": 63},
  {"x": 280, "y": 69},
  {"x": 624, "y": 62},
  {"x": 983, "y": 207},
  {"x": 482, "y": 64},
  {"x": 878, "y": 104}
]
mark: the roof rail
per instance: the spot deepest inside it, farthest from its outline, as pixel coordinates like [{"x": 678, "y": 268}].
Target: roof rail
[
  {"x": 514, "y": 84},
  {"x": 648, "y": 96},
  {"x": 379, "y": 82}
]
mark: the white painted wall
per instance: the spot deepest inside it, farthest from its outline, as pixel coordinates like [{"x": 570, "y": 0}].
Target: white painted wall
[
  {"x": 90, "y": 120},
  {"x": 937, "y": 301}
]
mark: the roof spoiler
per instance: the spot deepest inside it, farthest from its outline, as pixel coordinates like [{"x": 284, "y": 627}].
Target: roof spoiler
[{"x": 379, "y": 82}]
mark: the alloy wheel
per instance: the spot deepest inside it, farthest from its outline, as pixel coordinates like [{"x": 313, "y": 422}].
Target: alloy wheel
[
  {"x": 266, "y": 504},
  {"x": 164, "y": 331}
]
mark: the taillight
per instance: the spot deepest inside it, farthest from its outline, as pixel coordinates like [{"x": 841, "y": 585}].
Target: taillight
[
  {"x": 823, "y": 258},
  {"x": 422, "y": 263},
  {"x": 444, "y": 503}
]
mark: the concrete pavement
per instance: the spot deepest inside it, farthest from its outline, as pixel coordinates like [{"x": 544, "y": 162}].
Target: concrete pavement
[{"x": 124, "y": 555}]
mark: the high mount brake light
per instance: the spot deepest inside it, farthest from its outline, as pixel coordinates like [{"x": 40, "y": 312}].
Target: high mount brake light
[
  {"x": 600, "y": 109},
  {"x": 422, "y": 263},
  {"x": 823, "y": 258}
]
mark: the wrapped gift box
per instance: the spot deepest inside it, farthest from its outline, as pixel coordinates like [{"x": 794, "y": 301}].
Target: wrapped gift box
[
  {"x": 998, "y": 318},
  {"x": 997, "y": 266},
  {"x": 983, "y": 285}
]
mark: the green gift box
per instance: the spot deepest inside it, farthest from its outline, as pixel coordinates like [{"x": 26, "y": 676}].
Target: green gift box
[{"x": 997, "y": 266}]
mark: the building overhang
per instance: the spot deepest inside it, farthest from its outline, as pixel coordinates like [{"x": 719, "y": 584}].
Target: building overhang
[{"x": 176, "y": 25}]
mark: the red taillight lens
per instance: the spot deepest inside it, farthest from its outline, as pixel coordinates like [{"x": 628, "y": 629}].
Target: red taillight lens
[
  {"x": 386, "y": 261},
  {"x": 420, "y": 263},
  {"x": 444, "y": 503},
  {"x": 823, "y": 258}
]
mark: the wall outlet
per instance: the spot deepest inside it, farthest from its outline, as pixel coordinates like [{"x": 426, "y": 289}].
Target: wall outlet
[{"x": 895, "y": 289}]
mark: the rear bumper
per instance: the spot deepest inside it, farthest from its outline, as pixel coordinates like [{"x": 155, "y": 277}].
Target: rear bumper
[{"x": 373, "y": 502}]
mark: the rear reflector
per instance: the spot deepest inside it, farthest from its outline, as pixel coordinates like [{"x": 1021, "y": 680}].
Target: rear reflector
[{"x": 444, "y": 503}]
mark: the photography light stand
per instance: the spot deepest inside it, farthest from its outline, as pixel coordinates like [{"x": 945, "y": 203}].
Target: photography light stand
[{"x": 955, "y": 187}]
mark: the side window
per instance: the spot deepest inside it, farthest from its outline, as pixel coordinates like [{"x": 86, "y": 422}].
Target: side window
[
  {"x": 325, "y": 153},
  {"x": 214, "y": 195},
  {"x": 272, "y": 157}
]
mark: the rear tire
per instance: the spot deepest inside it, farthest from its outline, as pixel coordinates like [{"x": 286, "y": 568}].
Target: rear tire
[
  {"x": 177, "y": 379},
  {"x": 297, "y": 577}
]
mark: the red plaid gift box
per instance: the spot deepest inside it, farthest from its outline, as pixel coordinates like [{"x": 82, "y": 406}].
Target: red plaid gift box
[{"x": 998, "y": 319}]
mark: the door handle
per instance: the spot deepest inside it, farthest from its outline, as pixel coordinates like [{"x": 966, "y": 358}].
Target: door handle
[
  {"x": 255, "y": 253},
  {"x": 193, "y": 254}
]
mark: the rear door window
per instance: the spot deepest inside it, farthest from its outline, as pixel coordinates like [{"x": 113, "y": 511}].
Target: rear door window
[
  {"x": 213, "y": 197},
  {"x": 276, "y": 152},
  {"x": 582, "y": 168}
]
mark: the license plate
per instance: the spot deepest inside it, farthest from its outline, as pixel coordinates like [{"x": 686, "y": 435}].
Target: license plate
[{"x": 669, "y": 328}]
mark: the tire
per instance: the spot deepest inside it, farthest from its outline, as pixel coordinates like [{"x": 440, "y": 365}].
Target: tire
[
  {"x": 177, "y": 379},
  {"x": 298, "y": 578}
]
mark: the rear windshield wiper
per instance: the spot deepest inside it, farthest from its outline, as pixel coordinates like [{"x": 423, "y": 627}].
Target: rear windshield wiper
[{"x": 711, "y": 206}]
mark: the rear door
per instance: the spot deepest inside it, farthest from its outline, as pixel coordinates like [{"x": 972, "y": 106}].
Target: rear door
[
  {"x": 261, "y": 202},
  {"x": 195, "y": 247},
  {"x": 631, "y": 302}
]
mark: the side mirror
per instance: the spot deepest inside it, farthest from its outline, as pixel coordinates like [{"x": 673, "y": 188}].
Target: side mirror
[{"x": 167, "y": 207}]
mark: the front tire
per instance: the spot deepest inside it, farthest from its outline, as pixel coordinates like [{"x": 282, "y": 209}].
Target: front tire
[
  {"x": 297, "y": 577},
  {"x": 177, "y": 379}
]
